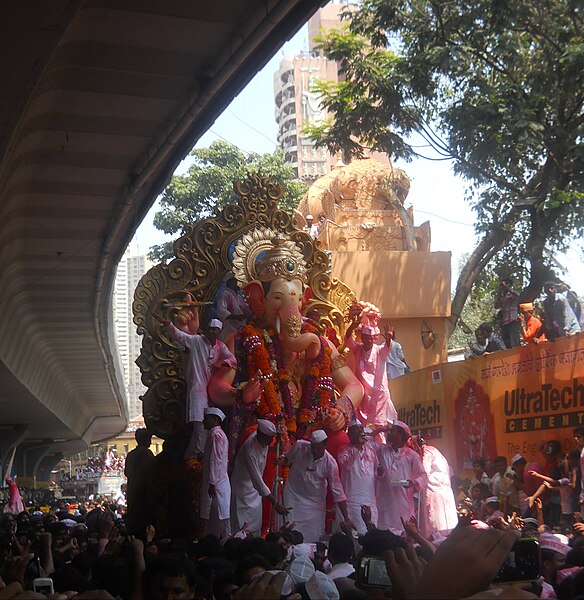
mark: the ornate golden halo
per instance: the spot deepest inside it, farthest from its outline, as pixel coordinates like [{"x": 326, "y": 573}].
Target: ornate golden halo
[{"x": 281, "y": 258}]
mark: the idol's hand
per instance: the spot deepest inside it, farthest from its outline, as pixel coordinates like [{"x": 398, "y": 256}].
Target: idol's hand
[
  {"x": 253, "y": 389},
  {"x": 335, "y": 420}
]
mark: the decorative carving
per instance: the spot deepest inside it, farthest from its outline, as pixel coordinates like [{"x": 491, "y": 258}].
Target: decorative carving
[
  {"x": 203, "y": 254},
  {"x": 364, "y": 192}
]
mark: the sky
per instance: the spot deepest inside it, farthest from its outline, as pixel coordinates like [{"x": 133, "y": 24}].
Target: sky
[{"x": 436, "y": 194}]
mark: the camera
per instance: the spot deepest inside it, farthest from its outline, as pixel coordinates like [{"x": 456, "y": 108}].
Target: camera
[
  {"x": 372, "y": 572},
  {"x": 522, "y": 563},
  {"x": 43, "y": 585}
]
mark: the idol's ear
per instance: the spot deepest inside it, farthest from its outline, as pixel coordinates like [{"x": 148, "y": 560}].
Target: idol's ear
[
  {"x": 256, "y": 298},
  {"x": 306, "y": 296}
]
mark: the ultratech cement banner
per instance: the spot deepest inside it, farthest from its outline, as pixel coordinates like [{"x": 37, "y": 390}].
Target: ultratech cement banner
[{"x": 499, "y": 404}]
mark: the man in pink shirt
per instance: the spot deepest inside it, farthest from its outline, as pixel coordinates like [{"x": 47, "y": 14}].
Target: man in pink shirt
[{"x": 376, "y": 408}]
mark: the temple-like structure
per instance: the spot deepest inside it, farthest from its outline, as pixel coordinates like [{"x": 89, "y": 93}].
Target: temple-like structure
[{"x": 360, "y": 218}]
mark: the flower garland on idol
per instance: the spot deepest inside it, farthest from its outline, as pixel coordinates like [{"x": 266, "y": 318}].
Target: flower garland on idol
[{"x": 265, "y": 354}]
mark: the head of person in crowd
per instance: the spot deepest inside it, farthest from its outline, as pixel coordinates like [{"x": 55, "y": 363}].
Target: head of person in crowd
[
  {"x": 251, "y": 566},
  {"x": 553, "y": 556},
  {"x": 143, "y": 437},
  {"x": 479, "y": 491},
  {"x": 526, "y": 309},
  {"x": 478, "y": 468},
  {"x": 483, "y": 332},
  {"x": 368, "y": 335},
  {"x": 378, "y": 541},
  {"x": 314, "y": 315},
  {"x": 320, "y": 556},
  {"x": 212, "y": 330},
  {"x": 492, "y": 505},
  {"x": 318, "y": 442},
  {"x": 356, "y": 433},
  {"x": 505, "y": 284},
  {"x": 518, "y": 464},
  {"x": 572, "y": 460},
  {"x": 266, "y": 432},
  {"x": 340, "y": 549},
  {"x": 550, "y": 288},
  {"x": 501, "y": 465},
  {"x": 398, "y": 435},
  {"x": 552, "y": 451},
  {"x": 213, "y": 417},
  {"x": 170, "y": 577},
  {"x": 578, "y": 433},
  {"x": 490, "y": 468},
  {"x": 231, "y": 283}
]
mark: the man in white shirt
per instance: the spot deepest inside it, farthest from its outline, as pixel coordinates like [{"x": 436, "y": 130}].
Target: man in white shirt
[
  {"x": 395, "y": 363},
  {"x": 340, "y": 551},
  {"x": 357, "y": 469},
  {"x": 215, "y": 487},
  {"x": 401, "y": 473},
  {"x": 313, "y": 470},
  {"x": 206, "y": 353},
  {"x": 247, "y": 484}
]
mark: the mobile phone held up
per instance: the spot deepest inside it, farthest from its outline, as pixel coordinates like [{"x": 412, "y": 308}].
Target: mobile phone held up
[
  {"x": 43, "y": 585},
  {"x": 372, "y": 573},
  {"x": 522, "y": 563}
]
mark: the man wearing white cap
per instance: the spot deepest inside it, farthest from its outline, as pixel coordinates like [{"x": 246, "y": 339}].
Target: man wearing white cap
[
  {"x": 312, "y": 471},
  {"x": 215, "y": 487},
  {"x": 357, "y": 468},
  {"x": 247, "y": 484},
  {"x": 553, "y": 559},
  {"x": 206, "y": 353},
  {"x": 401, "y": 473},
  {"x": 370, "y": 357}
]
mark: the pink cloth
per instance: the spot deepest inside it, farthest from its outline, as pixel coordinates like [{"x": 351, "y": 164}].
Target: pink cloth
[
  {"x": 15, "y": 504},
  {"x": 376, "y": 407},
  {"x": 394, "y": 501}
]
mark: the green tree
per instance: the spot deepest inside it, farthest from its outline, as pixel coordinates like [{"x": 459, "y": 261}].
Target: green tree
[
  {"x": 208, "y": 187},
  {"x": 478, "y": 308},
  {"x": 497, "y": 86}
]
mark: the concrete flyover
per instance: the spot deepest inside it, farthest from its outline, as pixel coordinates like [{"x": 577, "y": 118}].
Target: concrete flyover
[{"x": 99, "y": 101}]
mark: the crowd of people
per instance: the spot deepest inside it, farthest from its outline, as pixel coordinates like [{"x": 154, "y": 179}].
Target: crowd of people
[
  {"x": 558, "y": 315},
  {"x": 392, "y": 497},
  {"x": 109, "y": 463}
]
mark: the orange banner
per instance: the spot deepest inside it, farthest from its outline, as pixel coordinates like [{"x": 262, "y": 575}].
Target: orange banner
[{"x": 500, "y": 404}]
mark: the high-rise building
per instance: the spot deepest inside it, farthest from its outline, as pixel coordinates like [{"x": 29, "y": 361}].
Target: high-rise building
[
  {"x": 130, "y": 270},
  {"x": 297, "y": 105}
]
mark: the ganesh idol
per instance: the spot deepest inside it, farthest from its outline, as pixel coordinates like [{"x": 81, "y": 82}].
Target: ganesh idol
[{"x": 290, "y": 376}]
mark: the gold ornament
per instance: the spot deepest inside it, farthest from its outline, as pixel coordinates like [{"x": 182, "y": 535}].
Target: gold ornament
[
  {"x": 294, "y": 326},
  {"x": 203, "y": 255},
  {"x": 281, "y": 258}
]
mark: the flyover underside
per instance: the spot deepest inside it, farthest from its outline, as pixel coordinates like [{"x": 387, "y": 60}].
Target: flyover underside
[{"x": 101, "y": 100}]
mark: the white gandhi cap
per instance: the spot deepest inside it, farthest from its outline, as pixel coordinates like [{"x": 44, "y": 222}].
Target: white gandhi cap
[
  {"x": 266, "y": 427},
  {"x": 215, "y": 411},
  {"x": 216, "y": 323},
  {"x": 318, "y": 436}
]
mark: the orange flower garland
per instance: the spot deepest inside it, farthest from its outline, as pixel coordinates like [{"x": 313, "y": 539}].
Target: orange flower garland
[{"x": 265, "y": 355}]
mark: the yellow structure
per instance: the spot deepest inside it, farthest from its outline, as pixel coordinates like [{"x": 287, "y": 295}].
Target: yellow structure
[{"x": 381, "y": 256}]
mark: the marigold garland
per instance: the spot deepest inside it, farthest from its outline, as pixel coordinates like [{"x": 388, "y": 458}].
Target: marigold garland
[{"x": 265, "y": 354}]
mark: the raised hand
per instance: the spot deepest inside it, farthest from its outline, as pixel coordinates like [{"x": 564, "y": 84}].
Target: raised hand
[{"x": 253, "y": 389}]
